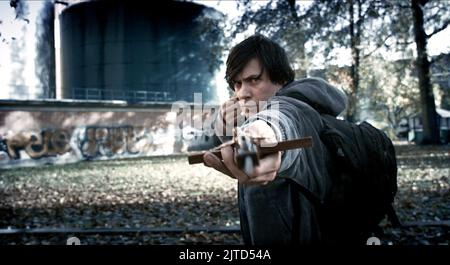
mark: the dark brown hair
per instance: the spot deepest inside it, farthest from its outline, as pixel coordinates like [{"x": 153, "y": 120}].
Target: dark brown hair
[{"x": 272, "y": 57}]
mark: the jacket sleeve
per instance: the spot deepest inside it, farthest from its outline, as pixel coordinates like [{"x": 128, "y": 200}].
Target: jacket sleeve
[{"x": 293, "y": 119}]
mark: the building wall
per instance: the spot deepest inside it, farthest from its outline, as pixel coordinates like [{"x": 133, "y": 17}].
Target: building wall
[
  {"x": 35, "y": 133},
  {"x": 130, "y": 51}
]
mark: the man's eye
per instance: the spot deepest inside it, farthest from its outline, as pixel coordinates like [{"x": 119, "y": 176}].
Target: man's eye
[{"x": 254, "y": 80}]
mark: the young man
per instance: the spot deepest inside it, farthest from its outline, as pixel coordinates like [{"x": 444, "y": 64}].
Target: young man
[{"x": 272, "y": 210}]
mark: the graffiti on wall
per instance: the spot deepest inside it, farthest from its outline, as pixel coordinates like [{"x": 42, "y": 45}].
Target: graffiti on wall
[
  {"x": 87, "y": 142},
  {"x": 38, "y": 144},
  {"x": 95, "y": 141}
]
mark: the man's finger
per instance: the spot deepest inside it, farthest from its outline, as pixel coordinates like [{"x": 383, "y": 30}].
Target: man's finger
[
  {"x": 213, "y": 161},
  {"x": 262, "y": 179},
  {"x": 231, "y": 113},
  {"x": 268, "y": 164},
  {"x": 228, "y": 160},
  {"x": 228, "y": 107},
  {"x": 256, "y": 173}
]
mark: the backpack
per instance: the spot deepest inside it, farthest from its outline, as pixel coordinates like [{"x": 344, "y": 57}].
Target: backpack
[{"x": 364, "y": 181}]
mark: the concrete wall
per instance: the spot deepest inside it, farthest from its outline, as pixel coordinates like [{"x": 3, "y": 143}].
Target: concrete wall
[{"x": 55, "y": 132}]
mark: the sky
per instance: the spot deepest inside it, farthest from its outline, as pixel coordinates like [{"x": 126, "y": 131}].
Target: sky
[{"x": 13, "y": 28}]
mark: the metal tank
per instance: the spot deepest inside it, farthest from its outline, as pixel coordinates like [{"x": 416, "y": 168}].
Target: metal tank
[{"x": 125, "y": 50}]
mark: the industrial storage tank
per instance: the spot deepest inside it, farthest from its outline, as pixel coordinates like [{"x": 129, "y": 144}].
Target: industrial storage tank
[{"x": 125, "y": 50}]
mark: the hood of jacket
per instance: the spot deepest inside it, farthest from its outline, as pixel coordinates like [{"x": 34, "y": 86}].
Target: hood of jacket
[{"x": 318, "y": 93}]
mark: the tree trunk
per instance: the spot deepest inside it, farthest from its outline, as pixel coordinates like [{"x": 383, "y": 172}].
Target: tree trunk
[
  {"x": 355, "y": 33},
  {"x": 300, "y": 73},
  {"x": 45, "y": 51},
  {"x": 429, "y": 116}
]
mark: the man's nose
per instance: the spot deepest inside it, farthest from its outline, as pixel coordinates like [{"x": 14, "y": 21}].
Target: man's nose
[{"x": 244, "y": 92}]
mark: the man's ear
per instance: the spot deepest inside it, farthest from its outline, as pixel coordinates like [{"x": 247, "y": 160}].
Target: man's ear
[{"x": 279, "y": 85}]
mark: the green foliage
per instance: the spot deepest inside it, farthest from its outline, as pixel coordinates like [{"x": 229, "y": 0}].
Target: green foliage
[
  {"x": 390, "y": 89},
  {"x": 377, "y": 85},
  {"x": 280, "y": 21},
  {"x": 210, "y": 32}
]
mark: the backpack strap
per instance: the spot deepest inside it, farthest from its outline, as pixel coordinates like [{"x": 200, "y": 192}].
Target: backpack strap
[
  {"x": 393, "y": 217},
  {"x": 313, "y": 198},
  {"x": 296, "y": 211},
  {"x": 317, "y": 203}
]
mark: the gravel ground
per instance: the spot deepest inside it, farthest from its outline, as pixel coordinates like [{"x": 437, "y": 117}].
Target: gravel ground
[
  {"x": 423, "y": 195},
  {"x": 166, "y": 192}
]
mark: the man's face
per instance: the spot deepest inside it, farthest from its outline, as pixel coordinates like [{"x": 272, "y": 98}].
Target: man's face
[{"x": 253, "y": 86}]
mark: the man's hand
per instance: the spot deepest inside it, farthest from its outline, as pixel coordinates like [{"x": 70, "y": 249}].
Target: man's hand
[
  {"x": 230, "y": 117},
  {"x": 268, "y": 166}
]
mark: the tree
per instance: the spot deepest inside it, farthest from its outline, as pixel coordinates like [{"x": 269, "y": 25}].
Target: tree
[
  {"x": 409, "y": 24},
  {"x": 440, "y": 75},
  {"x": 391, "y": 89},
  {"x": 21, "y": 9},
  {"x": 282, "y": 22},
  {"x": 45, "y": 60},
  {"x": 327, "y": 25},
  {"x": 429, "y": 116},
  {"x": 361, "y": 27},
  {"x": 354, "y": 25}
]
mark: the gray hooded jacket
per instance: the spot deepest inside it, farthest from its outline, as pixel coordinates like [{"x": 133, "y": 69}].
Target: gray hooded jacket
[
  {"x": 291, "y": 117},
  {"x": 294, "y": 112}
]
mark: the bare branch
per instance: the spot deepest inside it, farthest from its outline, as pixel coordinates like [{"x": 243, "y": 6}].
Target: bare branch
[
  {"x": 377, "y": 47},
  {"x": 406, "y": 6},
  {"x": 405, "y": 42},
  {"x": 62, "y": 3},
  {"x": 446, "y": 23}
]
